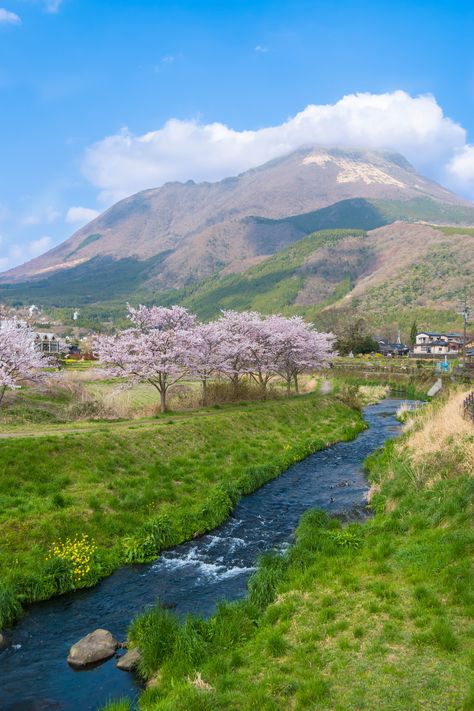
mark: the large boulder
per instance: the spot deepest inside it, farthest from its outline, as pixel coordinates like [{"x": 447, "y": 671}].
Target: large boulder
[
  {"x": 129, "y": 660},
  {"x": 94, "y": 647}
]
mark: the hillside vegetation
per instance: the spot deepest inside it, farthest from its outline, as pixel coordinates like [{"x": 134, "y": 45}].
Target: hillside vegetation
[
  {"x": 393, "y": 275},
  {"x": 370, "y": 616},
  {"x": 102, "y": 280},
  {"x": 274, "y": 284}
]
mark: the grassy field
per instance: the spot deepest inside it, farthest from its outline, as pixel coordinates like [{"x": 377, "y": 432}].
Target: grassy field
[
  {"x": 372, "y": 616},
  {"x": 74, "y": 505}
]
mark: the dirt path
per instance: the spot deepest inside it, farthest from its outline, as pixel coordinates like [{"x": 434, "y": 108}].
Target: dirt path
[{"x": 103, "y": 426}]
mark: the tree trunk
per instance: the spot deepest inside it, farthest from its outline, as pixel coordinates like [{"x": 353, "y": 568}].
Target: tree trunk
[
  {"x": 235, "y": 385},
  {"x": 163, "y": 400},
  {"x": 295, "y": 377},
  {"x": 204, "y": 392},
  {"x": 288, "y": 387},
  {"x": 2, "y": 393}
]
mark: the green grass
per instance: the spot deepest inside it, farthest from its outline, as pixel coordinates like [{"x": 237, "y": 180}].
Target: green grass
[
  {"x": 372, "y": 616},
  {"x": 457, "y": 230},
  {"x": 98, "y": 482}
]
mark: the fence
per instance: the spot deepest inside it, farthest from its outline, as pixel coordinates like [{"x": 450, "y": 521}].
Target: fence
[{"x": 468, "y": 407}]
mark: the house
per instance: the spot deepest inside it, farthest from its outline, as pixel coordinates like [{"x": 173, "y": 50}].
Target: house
[
  {"x": 47, "y": 343},
  {"x": 44, "y": 342},
  {"x": 431, "y": 343},
  {"x": 470, "y": 343},
  {"x": 392, "y": 350}
]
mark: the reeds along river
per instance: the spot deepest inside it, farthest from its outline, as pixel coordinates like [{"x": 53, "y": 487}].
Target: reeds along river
[{"x": 34, "y": 674}]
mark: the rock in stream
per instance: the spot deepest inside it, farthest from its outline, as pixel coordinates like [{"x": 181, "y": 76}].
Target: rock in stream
[{"x": 94, "y": 647}]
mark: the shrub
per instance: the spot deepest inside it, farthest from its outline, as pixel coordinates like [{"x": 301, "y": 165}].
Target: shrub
[
  {"x": 118, "y": 705},
  {"x": 10, "y": 606},
  {"x": 443, "y": 635},
  {"x": 313, "y": 691},
  {"x": 276, "y": 644},
  {"x": 78, "y": 553},
  {"x": 263, "y": 584},
  {"x": 154, "y": 633}
]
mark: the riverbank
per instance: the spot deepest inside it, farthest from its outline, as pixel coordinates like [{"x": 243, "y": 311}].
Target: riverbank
[
  {"x": 76, "y": 506},
  {"x": 378, "y": 615}
]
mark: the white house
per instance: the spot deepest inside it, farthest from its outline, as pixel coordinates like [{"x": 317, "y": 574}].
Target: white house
[
  {"x": 47, "y": 343},
  {"x": 436, "y": 343},
  {"x": 44, "y": 342}
]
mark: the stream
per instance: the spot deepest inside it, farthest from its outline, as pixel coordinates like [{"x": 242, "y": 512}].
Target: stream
[{"x": 193, "y": 577}]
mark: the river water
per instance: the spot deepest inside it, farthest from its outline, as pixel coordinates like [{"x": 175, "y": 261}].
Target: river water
[{"x": 34, "y": 674}]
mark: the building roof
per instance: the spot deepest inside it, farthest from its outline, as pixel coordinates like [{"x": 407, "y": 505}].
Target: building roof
[
  {"x": 393, "y": 346},
  {"x": 45, "y": 336},
  {"x": 446, "y": 344}
]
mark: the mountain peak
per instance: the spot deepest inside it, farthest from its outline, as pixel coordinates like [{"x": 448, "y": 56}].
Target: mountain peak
[{"x": 190, "y": 230}]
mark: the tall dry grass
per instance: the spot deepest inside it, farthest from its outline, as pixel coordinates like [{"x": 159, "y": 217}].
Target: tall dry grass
[{"x": 440, "y": 434}]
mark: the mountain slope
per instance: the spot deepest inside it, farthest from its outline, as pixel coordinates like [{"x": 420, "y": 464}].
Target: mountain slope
[
  {"x": 197, "y": 229},
  {"x": 393, "y": 274}
]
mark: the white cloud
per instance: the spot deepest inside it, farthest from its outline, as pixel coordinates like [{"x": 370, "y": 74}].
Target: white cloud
[
  {"x": 52, "y": 6},
  {"x": 38, "y": 246},
  {"x": 9, "y": 18},
  {"x": 4, "y": 213},
  {"x": 14, "y": 255},
  {"x": 461, "y": 169},
  {"x": 124, "y": 163},
  {"x": 20, "y": 253},
  {"x": 15, "y": 252},
  {"x": 260, "y": 48},
  {"x": 81, "y": 215},
  {"x": 168, "y": 59},
  {"x": 46, "y": 216}
]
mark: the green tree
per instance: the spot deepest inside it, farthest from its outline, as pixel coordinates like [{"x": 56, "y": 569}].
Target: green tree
[
  {"x": 413, "y": 333},
  {"x": 353, "y": 335}
]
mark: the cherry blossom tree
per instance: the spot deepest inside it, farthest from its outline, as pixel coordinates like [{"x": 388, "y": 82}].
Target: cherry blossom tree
[
  {"x": 165, "y": 344},
  {"x": 262, "y": 350},
  {"x": 174, "y": 318},
  {"x": 204, "y": 356},
  {"x": 236, "y": 330},
  {"x": 297, "y": 348},
  {"x": 19, "y": 358},
  {"x": 154, "y": 349}
]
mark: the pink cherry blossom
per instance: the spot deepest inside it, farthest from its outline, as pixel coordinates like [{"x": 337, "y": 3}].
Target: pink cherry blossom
[
  {"x": 153, "y": 350},
  {"x": 19, "y": 359},
  {"x": 204, "y": 356},
  {"x": 165, "y": 344}
]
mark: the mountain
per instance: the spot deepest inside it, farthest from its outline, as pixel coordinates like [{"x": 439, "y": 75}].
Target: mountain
[
  {"x": 391, "y": 275},
  {"x": 176, "y": 235}
]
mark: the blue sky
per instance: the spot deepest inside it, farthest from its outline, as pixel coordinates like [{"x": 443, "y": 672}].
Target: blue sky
[{"x": 89, "y": 91}]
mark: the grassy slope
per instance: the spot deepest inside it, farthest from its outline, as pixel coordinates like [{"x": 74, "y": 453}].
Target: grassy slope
[
  {"x": 272, "y": 285},
  {"x": 374, "y": 616},
  {"x": 427, "y": 290},
  {"x": 100, "y": 483}
]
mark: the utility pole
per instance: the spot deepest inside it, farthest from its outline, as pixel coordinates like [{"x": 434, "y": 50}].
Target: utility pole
[{"x": 464, "y": 312}]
